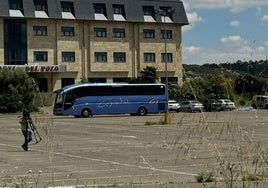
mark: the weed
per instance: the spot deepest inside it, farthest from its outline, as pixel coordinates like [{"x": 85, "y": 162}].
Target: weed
[{"x": 205, "y": 177}]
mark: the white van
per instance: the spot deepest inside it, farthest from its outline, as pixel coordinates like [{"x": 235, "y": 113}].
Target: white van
[{"x": 260, "y": 101}]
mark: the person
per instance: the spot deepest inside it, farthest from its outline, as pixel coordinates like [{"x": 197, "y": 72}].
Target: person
[{"x": 25, "y": 129}]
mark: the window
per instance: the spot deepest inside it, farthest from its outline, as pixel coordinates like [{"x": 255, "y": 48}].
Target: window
[
  {"x": 15, "y": 4},
  {"x": 119, "y": 9},
  {"x": 169, "y": 12},
  {"x": 40, "y": 56},
  {"x": 68, "y": 56},
  {"x": 99, "y": 8},
  {"x": 67, "y": 7},
  {"x": 119, "y": 12},
  {"x": 168, "y": 34},
  {"x": 169, "y": 57},
  {"x": 100, "y": 56},
  {"x": 119, "y": 33},
  {"x": 42, "y": 84},
  {"x": 121, "y": 79},
  {"x": 67, "y": 81},
  {"x": 149, "y": 57},
  {"x": 97, "y": 80},
  {"x": 148, "y": 34},
  {"x": 40, "y": 5},
  {"x": 170, "y": 79},
  {"x": 40, "y": 30},
  {"x": 148, "y": 11},
  {"x": 67, "y": 31},
  {"x": 119, "y": 57},
  {"x": 100, "y": 32}
]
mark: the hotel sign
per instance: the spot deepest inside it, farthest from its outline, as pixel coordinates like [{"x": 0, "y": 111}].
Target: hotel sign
[{"x": 36, "y": 68}]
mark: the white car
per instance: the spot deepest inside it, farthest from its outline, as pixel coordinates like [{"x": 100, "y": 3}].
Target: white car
[
  {"x": 173, "y": 106},
  {"x": 192, "y": 106},
  {"x": 226, "y": 104}
]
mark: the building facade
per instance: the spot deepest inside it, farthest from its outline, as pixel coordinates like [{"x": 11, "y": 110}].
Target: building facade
[{"x": 61, "y": 42}]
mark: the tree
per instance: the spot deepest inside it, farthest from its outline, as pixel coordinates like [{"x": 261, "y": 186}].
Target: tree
[
  {"x": 17, "y": 90},
  {"x": 149, "y": 74}
]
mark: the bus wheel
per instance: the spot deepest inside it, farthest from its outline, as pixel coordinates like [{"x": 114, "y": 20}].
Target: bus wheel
[
  {"x": 86, "y": 113},
  {"x": 142, "y": 111}
]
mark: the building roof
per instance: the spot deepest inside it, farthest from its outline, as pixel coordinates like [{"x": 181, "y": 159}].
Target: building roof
[{"x": 84, "y": 10}]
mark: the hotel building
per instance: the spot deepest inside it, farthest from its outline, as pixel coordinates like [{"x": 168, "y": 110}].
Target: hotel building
[{"x": 61, "y": 42}]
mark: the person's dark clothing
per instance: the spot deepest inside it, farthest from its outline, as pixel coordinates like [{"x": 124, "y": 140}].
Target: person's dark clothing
[{"x": 26, "y": 133}]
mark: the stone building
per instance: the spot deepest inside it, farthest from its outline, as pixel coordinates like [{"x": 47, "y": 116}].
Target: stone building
[{"x": 60, "y": 42}]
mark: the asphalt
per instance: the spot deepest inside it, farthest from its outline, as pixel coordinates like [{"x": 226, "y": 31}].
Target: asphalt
[{"x": 132, "y": 151}]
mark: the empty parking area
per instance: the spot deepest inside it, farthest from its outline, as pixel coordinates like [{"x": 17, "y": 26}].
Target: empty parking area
[{"x": 134, "y": 151}]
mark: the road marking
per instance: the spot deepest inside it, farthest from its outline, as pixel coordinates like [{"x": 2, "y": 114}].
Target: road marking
[{"x": 111, "y": 162}]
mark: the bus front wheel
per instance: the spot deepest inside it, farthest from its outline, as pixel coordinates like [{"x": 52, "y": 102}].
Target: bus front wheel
[
  {"x": 142, "y": 111},
  {"x": 86, "y": 113}
]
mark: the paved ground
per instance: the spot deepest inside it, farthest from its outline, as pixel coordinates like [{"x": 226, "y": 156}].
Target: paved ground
[{"x": 125, "y": 151}]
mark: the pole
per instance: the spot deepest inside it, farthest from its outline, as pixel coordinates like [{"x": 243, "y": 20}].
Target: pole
[{"x": 167, "y": 115}]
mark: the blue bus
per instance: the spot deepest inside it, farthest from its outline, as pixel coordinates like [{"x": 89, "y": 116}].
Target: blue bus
[{"x": 88, "y": 99}]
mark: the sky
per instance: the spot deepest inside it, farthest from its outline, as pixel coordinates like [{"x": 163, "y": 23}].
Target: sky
[{"x": 225, "y": 31}]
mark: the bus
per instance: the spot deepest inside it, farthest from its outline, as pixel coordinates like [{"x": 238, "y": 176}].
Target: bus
[{"x": 88, "y": 99}]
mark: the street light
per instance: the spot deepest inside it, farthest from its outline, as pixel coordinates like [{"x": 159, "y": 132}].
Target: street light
[{"x": 166, "y": 12}]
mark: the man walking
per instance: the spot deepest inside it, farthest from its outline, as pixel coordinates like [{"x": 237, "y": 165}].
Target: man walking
[{"x": 25, "y": 129}]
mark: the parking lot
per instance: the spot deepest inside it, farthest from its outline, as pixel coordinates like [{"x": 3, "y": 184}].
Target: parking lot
[{"x": 134, "y": 151}]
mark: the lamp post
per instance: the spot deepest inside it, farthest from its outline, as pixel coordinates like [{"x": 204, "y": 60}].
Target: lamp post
[{"x": 165, "y": 13}]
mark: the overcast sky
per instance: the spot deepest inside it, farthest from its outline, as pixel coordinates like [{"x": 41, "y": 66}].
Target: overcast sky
[{"x": 225, "y": 31}]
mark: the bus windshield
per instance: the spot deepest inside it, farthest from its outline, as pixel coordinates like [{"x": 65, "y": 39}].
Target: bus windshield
[{"x": 84, "y": 100}]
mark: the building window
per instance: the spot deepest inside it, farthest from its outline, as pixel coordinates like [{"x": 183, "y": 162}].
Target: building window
[
  {"x": 40, "y": 30},
  {"x": 168, "y": 34},
  {"x": 170, "y": 80},
  {"x": 148, "y": 11},
  {"x": 101, "y": 57},
  {"x": 119, "y": 33},
  {"x": 100, "y": 32},
  {"x": 67, "y": 7},
  {"x": 149, "y": 57},
  {"x": 121, "y": 79},
  {"x": 40, "y": 5},
  {"x": 169, "y": 57},
  {"x": 42, "y": 84},
  {"x": 119, "y": 12},
  {"x": 68, "y": 56},
  {"x": 40, "y": 56},
  {"x": 97, "y": 80},
  {"x": 169, "y": 13},
  {"x": 119, "y": 9},
  {"x": 67, "y": 31},
  {"x": 15, "y": 4},
  {"x": 67, "y": 81},
  {"x": 120, "y": 57},
  {"x": 148, "y": 34},
  {"x": 99, "y": 8}
]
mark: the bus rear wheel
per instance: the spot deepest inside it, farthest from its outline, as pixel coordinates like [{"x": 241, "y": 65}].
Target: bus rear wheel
[
  {"x": 142, "y": 111},
  {"x": 86, "y": 113}
]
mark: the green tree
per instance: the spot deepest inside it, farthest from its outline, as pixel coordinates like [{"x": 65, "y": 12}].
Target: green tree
[
  {"x": 149, "y": 74},
  {"x": 17, "y": 90}
]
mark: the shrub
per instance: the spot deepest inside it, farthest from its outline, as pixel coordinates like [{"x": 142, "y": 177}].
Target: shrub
[
  {"x": 17, "y": 90},
  {"x": 205, "y": 177}
]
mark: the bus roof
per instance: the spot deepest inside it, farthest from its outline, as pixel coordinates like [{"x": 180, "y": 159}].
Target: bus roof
[{"x": 73, "y": 86}]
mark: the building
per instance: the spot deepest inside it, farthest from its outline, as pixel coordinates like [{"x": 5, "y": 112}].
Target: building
[{"x": 61, "y": 42}]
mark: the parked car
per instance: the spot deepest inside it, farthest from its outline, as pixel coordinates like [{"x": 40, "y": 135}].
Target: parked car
[
  {"x": 174, "y": 106},
  {"x": 218, "y": 105},
  {"x": 191, "y": 106},
  {"x": 212, "y": 105},
  {"x": 226, "y": 104},
  {"x": 260, "y": 101}
]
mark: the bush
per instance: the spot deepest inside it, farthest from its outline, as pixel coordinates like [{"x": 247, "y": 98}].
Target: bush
[
  {"x": 17, "y": 90},
  {"x": 205, "y": 177}
]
